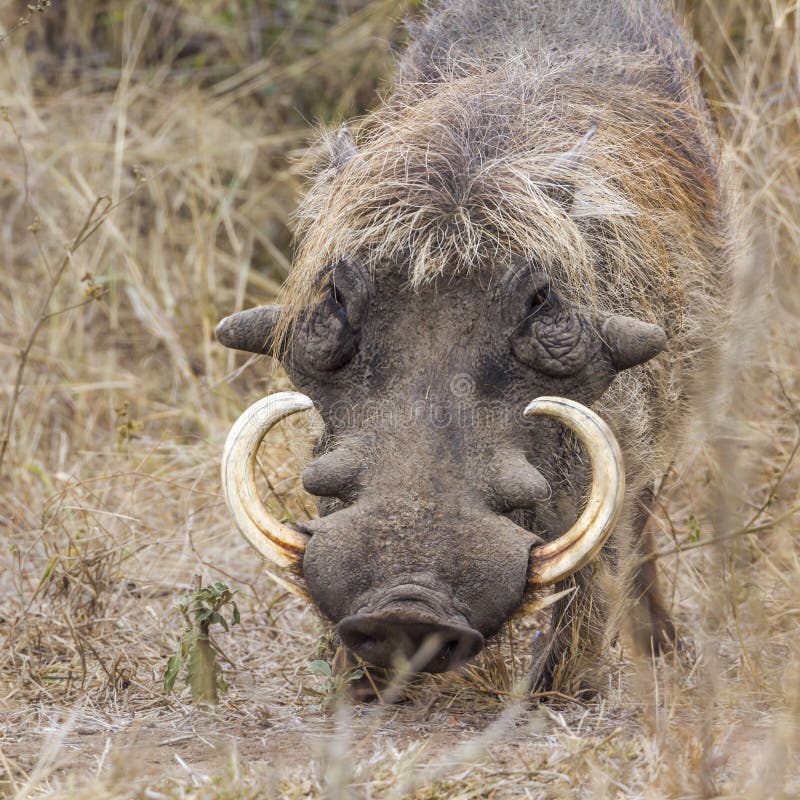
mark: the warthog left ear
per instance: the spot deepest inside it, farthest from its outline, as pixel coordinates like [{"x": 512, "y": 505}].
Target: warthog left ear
[
  {"x": 341, "y": 148},
  {"x": 251, "y": 330},
  {"x": 631, "y": 341},
  {"x": 559, "y": 183}
]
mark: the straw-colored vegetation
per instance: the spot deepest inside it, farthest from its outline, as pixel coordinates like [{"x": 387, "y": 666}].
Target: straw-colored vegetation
[{"x": 150, "y": 160}]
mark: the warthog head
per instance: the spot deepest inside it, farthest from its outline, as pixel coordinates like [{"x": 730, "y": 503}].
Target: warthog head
[{"x": 442, "y": 489}]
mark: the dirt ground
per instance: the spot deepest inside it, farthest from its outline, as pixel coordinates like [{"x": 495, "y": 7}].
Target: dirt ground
[{"x": 151, "y": 155}]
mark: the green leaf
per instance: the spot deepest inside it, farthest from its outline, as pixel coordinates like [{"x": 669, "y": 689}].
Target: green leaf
[
  {"x": 173, "y": 667},
  {"x": 319, "y": 667},
  {"x": 235, "y": 618},
  {"x": 217, "y": 618}
]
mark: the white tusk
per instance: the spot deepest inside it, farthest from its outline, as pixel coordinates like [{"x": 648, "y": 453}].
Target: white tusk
[
  {"x": 556, "y": 560},
  {"x": 278, "y": 543}
]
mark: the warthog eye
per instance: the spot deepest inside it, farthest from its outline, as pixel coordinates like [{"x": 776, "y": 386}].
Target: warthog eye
[
  {"x": 329, "y": 333},
  {"x": 548, "y": 335},
  {"x": 542, "y": 299}
]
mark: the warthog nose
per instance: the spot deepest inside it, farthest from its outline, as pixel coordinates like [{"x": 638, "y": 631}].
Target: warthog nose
[{"x": 386, "y": 637}]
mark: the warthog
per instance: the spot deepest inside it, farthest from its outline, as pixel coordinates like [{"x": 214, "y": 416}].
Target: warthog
[{"x": 537, "y": 211}]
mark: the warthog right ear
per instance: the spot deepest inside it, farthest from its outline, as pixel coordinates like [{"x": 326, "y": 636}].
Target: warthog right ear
[
  {"x": 631, "y": 341},
  {"x": 559, "y": 183},
  {"x": 251, "y": 330}
]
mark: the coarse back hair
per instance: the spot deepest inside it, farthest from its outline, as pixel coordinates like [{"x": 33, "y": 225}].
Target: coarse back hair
[{"x": 462, "y": 170}]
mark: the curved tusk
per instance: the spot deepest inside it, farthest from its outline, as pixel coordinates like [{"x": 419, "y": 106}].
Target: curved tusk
[
  {"x": 556, "y": 560},
  {"x": 278, "y": 543}
]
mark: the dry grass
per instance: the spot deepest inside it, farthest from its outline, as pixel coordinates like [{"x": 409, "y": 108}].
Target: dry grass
[{"x": 189, "y": 118}]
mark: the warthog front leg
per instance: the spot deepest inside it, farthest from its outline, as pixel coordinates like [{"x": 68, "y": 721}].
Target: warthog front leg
[
  {"x": 585, "y": 622},
  {"x": 568, "y": 660},
  {"x": 653, "y": 629}
]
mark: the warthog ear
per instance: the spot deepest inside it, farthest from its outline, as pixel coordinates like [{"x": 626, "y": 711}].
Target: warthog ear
[
  {"x": 559, "y": 183},
  {"x": 631, "y": 341},
  {"x": 342, "y": 148},
  {"x": 251, "y": 330}
]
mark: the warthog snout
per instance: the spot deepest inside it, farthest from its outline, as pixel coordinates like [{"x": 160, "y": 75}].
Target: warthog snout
[
  {"x": 410, "y": 632},
  {"x": 419, "y": 565}
]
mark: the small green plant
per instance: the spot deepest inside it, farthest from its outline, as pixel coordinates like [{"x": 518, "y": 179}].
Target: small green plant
[
  {"x": 334, "y": 684},
  {"x": 197, "y": 651}
]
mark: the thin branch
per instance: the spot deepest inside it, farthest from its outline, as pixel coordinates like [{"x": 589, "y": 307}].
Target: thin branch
[
  {"x": 776, "y": 485},
  {"x": 33, "y": 8},
  {"x": 97, "y": 215},
  {"x": 6, "y": 116},
  {"x": 747, "y": 531}
]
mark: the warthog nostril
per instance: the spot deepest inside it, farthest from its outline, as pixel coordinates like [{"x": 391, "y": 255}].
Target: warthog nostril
[{"x": 387, "y": 637}]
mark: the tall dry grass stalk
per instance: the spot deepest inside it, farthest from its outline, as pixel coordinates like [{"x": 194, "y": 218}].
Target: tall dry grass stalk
[{"x": 194, "y": 120}]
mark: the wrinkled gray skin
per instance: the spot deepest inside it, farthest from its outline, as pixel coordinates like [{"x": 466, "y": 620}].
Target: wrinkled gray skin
[{"x": 432, "y": 486}]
